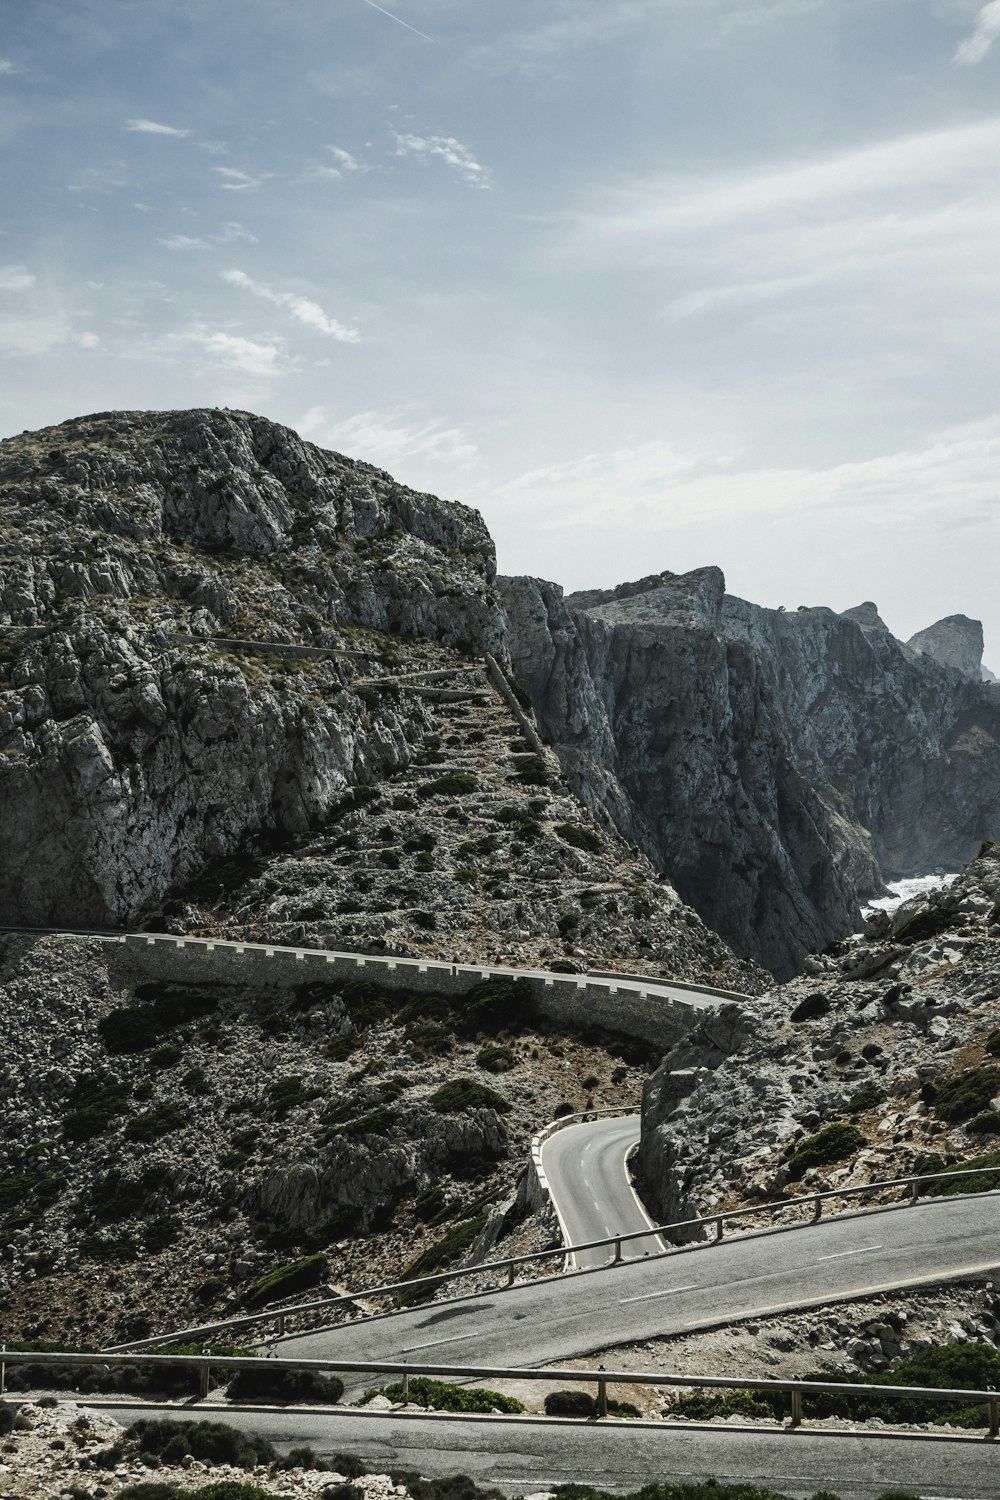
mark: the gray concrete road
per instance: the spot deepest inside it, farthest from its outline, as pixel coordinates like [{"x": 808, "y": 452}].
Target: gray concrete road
[
  {"x": 588, "y": 1177},
  {"x": 520, "y": 1455}
]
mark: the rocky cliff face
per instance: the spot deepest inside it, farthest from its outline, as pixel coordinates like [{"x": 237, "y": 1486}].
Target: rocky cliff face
[
  {"x": 955, "y": 641},
  {"x": 128, "y": 759},
  {"x": 879, "y": 1062},
  {"x": 775, "y": 765}
]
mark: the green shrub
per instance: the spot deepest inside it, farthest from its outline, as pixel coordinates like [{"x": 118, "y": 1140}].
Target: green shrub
[
  {"x": 525, "y": 826},
  {"x": 212, "y": 1442},
  {"x": 445, "y": 1250},
  {"x": 925, "y": 925},
  {"x": 867, "y": 1097},
  {"x": 437, "y": 1395},
  {"x": 580, "y": 838},
  {"x": 269, "y": 1384},
  {"x": 811, "y": 1008},
  {"x": 992, "y": 1043},
  {"x": 461, "y": 1094},
  {"x": 152, "y": 1123},
  {"x": 287, "y": 1281},
  {"x": 497, "y": 1004},
  {"x": 984, "y": 1184},
  {"x": 973, "y": 1366},
  {"x": 494, "y": 1059},
  {"x": 832, "y": 1143},
  {"x": 574, "y": 1403},
  {"x": 702, "y": 1406},
  {"x": 531, "y": 770},
  {"x": 93, "y": 1105},
  {"x": 563, "y": 966},
  {"x": 289, "y": 1093},
  {"x": 962, "y": 1097},
  {"x": 129, "y": 1029},
  {"x": 454, "y": 784},
  {"x": 988, "y": 1123}
]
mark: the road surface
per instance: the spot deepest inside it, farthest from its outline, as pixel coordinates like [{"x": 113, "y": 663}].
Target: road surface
[
  {"x": 521, "y": 1455},
  {"x": 587, "y": 1175}
]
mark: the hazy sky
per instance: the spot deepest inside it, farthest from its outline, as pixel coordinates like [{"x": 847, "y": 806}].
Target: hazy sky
[{"x": 654, "y": 283}]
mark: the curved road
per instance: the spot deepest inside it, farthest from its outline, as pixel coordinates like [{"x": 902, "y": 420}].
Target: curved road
[
  {"x": 586, "y": 1169},
  {"x": 589, "y": 1310}
]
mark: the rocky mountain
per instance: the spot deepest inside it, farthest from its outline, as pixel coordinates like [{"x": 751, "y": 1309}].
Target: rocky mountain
[
  {"x": 879, "y": 1061},
  {"x": 243, "y": 694},
  {"x": 777, "y": 765}
]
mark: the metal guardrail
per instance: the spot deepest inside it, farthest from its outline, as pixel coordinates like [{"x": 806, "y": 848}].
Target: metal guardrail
[
  {"x": 601, "y": 1378},
  {"x": 401, "y": 1291}
]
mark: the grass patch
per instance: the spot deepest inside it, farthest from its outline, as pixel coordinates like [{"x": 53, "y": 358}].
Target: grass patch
[
  {"x": 925, "y": 925},
  {"x": 269, "y": 1384}
]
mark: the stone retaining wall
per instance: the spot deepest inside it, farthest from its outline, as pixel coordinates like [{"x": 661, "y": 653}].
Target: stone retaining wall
[{"x": 642, "y": 1013}]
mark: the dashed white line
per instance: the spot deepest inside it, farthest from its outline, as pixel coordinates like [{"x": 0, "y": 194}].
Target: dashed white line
[
  {"x": 457, "y": 1338},
  {"x": 865, "y": 1250},
  {"x": 649, "y": 1296}
]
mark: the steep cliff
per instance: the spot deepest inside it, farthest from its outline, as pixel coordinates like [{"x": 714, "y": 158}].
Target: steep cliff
[
  {"x": 777, "y": 766},
  {"x": 129, "y": 758}
]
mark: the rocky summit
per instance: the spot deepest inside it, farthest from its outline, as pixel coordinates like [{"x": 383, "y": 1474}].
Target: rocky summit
[{"x": 779, "y": 765}]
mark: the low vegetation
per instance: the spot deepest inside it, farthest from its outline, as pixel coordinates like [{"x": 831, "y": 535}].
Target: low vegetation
[
  {"x": 438, "y": 1395},
  {"x": 833, "y": 1143}
]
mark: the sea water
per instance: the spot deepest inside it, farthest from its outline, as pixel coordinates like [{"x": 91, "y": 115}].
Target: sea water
[{"x": 902, "y": 890}]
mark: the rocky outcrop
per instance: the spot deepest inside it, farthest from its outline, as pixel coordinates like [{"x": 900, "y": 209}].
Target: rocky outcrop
[
  {"x": 778, "y": 766},
  {"x": 127, "y": 760},
  {"x": 868, "y": 1038},
  {"x": 955, "y": 641}
]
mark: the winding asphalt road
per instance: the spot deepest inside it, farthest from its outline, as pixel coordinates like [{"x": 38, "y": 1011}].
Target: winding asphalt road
[
  {"x": 586, "y": 1169},
  {"x": 588, "y": 1312}
]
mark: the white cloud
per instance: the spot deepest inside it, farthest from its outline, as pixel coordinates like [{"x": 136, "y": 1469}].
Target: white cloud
[
  {"x": 450, "y": 151},
  {"x": 237, "y": 181},
  {"x": 152, "y": 127},
  {"x": 654, "y": 488},
  {"x": 15, "y": 279},
  {"x": 345, "y": 161},
  {"x": 663, "y": 205},
  {"x": 184, "y": 242},
  {"x": 233, "y": 231},
  {"x": 301, "y": 308},
  {"x": 34, "y": 335},
  {"x": 257, "y": 357},
  {"x": 385, "y": 439},
  {"x": 6, "y": 67},
  {"x": 88, "y": 340},
  {"x": 985, "y": 33}
]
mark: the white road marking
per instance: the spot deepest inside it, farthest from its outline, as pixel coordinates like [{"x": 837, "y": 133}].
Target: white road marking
[
  {"x": 649, "y": 1296},
  {"x": 865, "y": 1250},
  {"x": 457, "y": 1338}
]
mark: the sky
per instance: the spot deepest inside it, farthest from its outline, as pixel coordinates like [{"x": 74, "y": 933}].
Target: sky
[{"x": 652, "y": 283}]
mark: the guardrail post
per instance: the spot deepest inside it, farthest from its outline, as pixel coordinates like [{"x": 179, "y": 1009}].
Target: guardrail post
[
  {"x": 203, "y": 1381},
  {"x": 914, "y": 1191},
  {"x": 602, "y": 1395},
  {"x": 817, "y": 1208},
  {"x": 281, "y": 1325},
  {"x": 993, "y": 1407},
  {"x": 796, "y": 1409},
  {"x": 618, "y": 1253},
  {"x": 3, "y": 1371},
  {"x": 406, "y": 1387},
  {"x": 511, "y": 1274},
  {"x": 718, "y": 1229}
]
